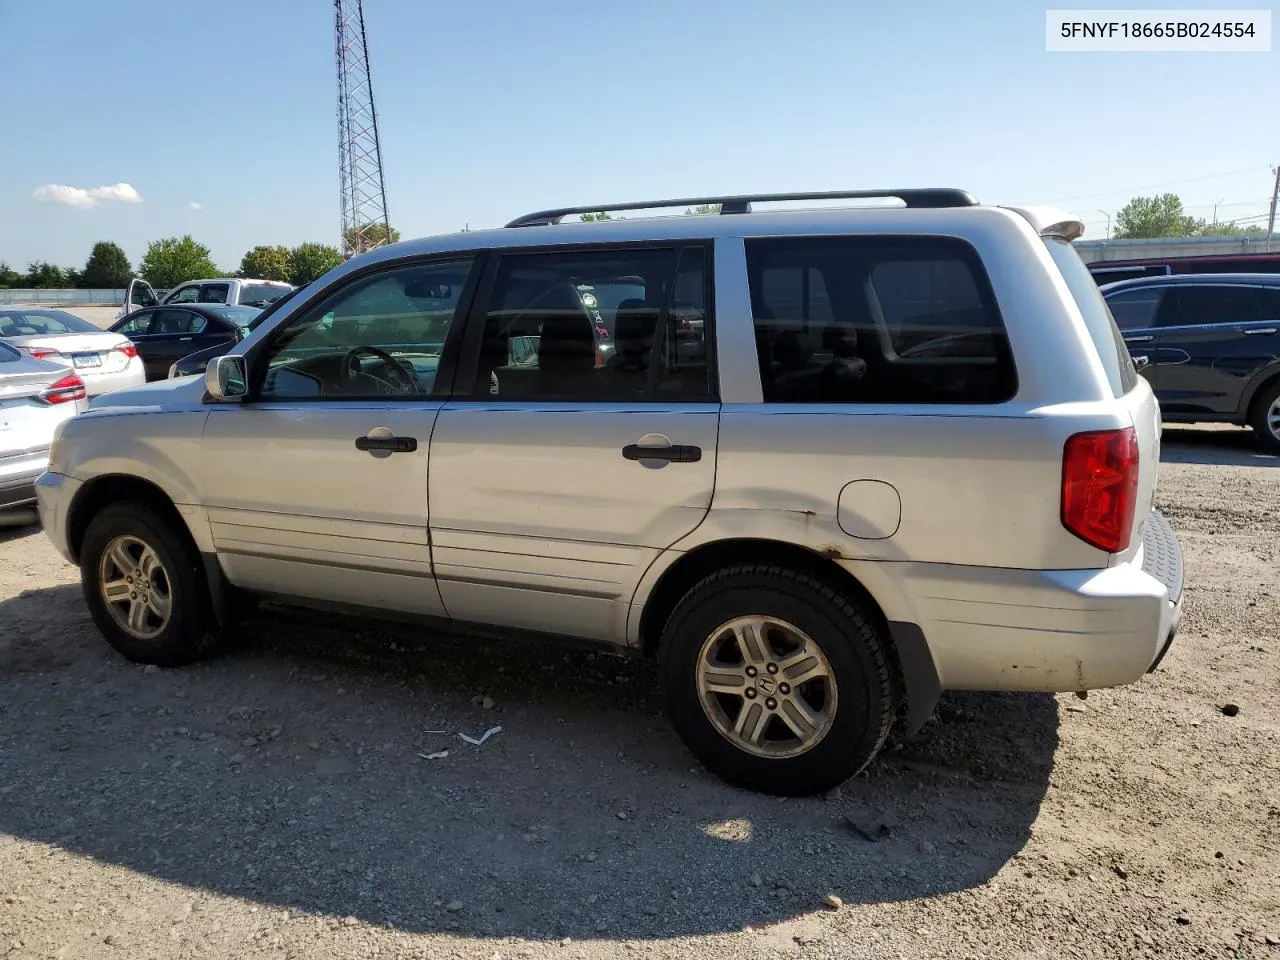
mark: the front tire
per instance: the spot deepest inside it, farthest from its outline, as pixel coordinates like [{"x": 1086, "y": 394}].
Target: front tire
[
  {"x": 1266, "y": 417},
  {"x": 145, "y": 587},
  {"x": 776, "y": 681}
]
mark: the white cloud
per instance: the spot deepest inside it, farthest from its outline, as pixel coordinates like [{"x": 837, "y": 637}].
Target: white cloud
[
  {"x": 85, "y": 197},
  {"x": 196, "y": 206}
]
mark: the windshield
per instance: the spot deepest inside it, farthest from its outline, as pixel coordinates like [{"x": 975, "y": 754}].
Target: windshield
[{"x": 42, "y": 323}]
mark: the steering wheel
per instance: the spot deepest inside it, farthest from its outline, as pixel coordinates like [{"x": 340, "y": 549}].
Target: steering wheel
[{"x": 351, "y": 368}]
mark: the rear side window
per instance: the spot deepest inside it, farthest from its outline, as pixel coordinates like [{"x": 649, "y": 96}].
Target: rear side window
[
  {"x": 214, "y": 292},
  {"x": 1097, "y": 317},
  {"x": 1204, "y": 305},
  {"x": 876, "y": 320}
]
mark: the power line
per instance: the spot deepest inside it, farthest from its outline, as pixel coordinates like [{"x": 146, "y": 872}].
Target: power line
[{"x": 1156, "y": 186}]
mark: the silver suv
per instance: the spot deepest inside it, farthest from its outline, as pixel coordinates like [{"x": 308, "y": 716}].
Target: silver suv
[{"x": 836, "y": 462}]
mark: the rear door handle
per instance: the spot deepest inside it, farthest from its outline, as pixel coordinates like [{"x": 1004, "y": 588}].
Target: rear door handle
[
  {"x": 677, "y": 453},
  {"x": 1141, "y": 339},
  {"x": 392, "y": 444},
  {"x": 1259, "y": 332}
]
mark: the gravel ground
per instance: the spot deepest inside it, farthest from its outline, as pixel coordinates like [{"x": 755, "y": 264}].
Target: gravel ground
[{"x": 281, "y": 801}]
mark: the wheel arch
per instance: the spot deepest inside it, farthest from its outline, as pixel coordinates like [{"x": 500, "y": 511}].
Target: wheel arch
[
  {"x": 113, "y": 488},
  {"x": 917, "y": 684},
  {"x": 1255, "y": 391}
]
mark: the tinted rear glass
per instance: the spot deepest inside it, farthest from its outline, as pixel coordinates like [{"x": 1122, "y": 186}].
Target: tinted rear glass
[
  {"x": 876, "y": 320},
  {"x": 1097, "y": 316}
]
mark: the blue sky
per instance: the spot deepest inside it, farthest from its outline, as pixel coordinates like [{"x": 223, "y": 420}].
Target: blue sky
[{"x": 490, "y": 110}]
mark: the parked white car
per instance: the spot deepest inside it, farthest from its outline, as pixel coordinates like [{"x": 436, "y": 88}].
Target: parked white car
[
  {"x": 234, "y": 291},
  {"x": 36, "y": 397},
  {"x": 908, "y": 453},
  {"x": 105, "y": 361}
]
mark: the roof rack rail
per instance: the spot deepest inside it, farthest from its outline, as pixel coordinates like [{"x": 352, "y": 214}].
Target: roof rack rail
[{"x": 926, "y": 197}]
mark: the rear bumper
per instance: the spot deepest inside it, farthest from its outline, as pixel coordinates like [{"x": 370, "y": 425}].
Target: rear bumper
[
  {"x": 18, "y": 477},
  {"x": 1052, "y": 630},
  {"x": 95, "y": 384}
]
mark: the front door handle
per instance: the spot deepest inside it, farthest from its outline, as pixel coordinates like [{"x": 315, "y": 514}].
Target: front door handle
[
  {"x": 678, "y": 453},
  {"x": 1141, "y": 339},
  {"x": 390, "y": 444},
  {"x": 1261, "y": 331}
]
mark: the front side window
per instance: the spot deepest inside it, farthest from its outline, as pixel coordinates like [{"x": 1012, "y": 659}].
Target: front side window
[
  {"x": 1202, "y": 305},
  {"x": 380, "y": 337},
  {"x": 187, "y": 294},
  {"x": 214, "y": 292},
  {"x": 876, "y": 320},
  {"x": 606, "y": 326},
  {"x": 177, "y": 322},
  {"x": 1135, "y": 309}
]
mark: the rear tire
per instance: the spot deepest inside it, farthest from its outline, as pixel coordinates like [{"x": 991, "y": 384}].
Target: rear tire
[
  {"x": 146, "y": 588},
  {"x": 1266, "y": 417},
  {"x": 736, "y": 711}
]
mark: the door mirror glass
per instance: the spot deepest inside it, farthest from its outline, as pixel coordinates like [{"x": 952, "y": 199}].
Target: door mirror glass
[{"x": 225, "y": 380}]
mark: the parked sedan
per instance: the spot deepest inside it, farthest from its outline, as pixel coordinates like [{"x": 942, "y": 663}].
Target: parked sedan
[
  {"x": 1212, "y": 342},
  {"x": 35, "y": 396},
  {"x": 164, "y": 334},
  {"x": 196, "y": 362},
  {"x": 104, "y": 360}
]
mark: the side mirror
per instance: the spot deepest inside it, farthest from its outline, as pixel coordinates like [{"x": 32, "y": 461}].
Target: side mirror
[{"x": 225, "y": 380}]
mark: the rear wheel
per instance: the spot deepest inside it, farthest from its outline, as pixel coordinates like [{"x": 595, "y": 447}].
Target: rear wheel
[
  {"x": 1266, "y": 417},
  {"x": 775, "y": 680},
  {"x": 145, "y": 587}
]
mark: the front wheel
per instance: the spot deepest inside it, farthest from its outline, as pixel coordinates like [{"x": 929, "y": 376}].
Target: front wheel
[
  {"x": 776, "y": 681},
  {"x": 145, "y": 587},
  {"x": 1266, "y": 417}
]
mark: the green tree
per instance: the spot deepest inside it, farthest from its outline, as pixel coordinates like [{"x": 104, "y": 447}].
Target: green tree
[
  {"x": 107, "y": 267},
  {"x": 9, "y": 277},
  {"x": 702, "y": 208},
  {"x": 594, "y": 217},
  {"x": 375, "y": 234},
  {"x": 267, "y": 263},
  {"x": 43, "y": 275},
  {"x": 1162, "y": 216},
  {"x": 172, "y": 261},
  {"x": 1229, "y": 229},
  {"x": 310, "y": 260}
]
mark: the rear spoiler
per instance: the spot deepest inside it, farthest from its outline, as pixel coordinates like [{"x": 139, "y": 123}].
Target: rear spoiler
[{"x": 1051, "y": 222}]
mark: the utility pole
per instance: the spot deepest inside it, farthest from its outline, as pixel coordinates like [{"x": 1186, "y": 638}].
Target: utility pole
[
  {"x": 1108, "y": 216},
  {"x": 1271, "y": 218}
]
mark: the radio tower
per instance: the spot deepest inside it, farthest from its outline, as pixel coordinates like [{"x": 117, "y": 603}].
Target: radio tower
[{"x": 364, "y": 193}]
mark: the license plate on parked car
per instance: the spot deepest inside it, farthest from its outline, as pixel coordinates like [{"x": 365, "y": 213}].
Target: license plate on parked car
[{"x": 86, "y": 360}]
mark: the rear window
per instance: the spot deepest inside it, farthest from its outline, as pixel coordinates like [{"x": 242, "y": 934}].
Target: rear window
[
  {"x": 876, "y": 320},
  {"x": 1106, "y": 336},
  {"x": 40, "y": 323},
  {"x": 260, "y": 294}
]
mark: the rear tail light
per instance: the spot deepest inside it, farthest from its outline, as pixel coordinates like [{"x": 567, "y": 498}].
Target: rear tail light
[
  {"x": 1100, "y": 487},
  {"x": 129, "y": 350},
  {"x": 40, "y": 353},
  {"x": 65, "y": 390},
  {"x": 600, "y": 361}
]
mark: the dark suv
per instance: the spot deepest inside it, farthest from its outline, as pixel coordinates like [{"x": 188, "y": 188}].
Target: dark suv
[{"x": 1212, "y": 342}]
